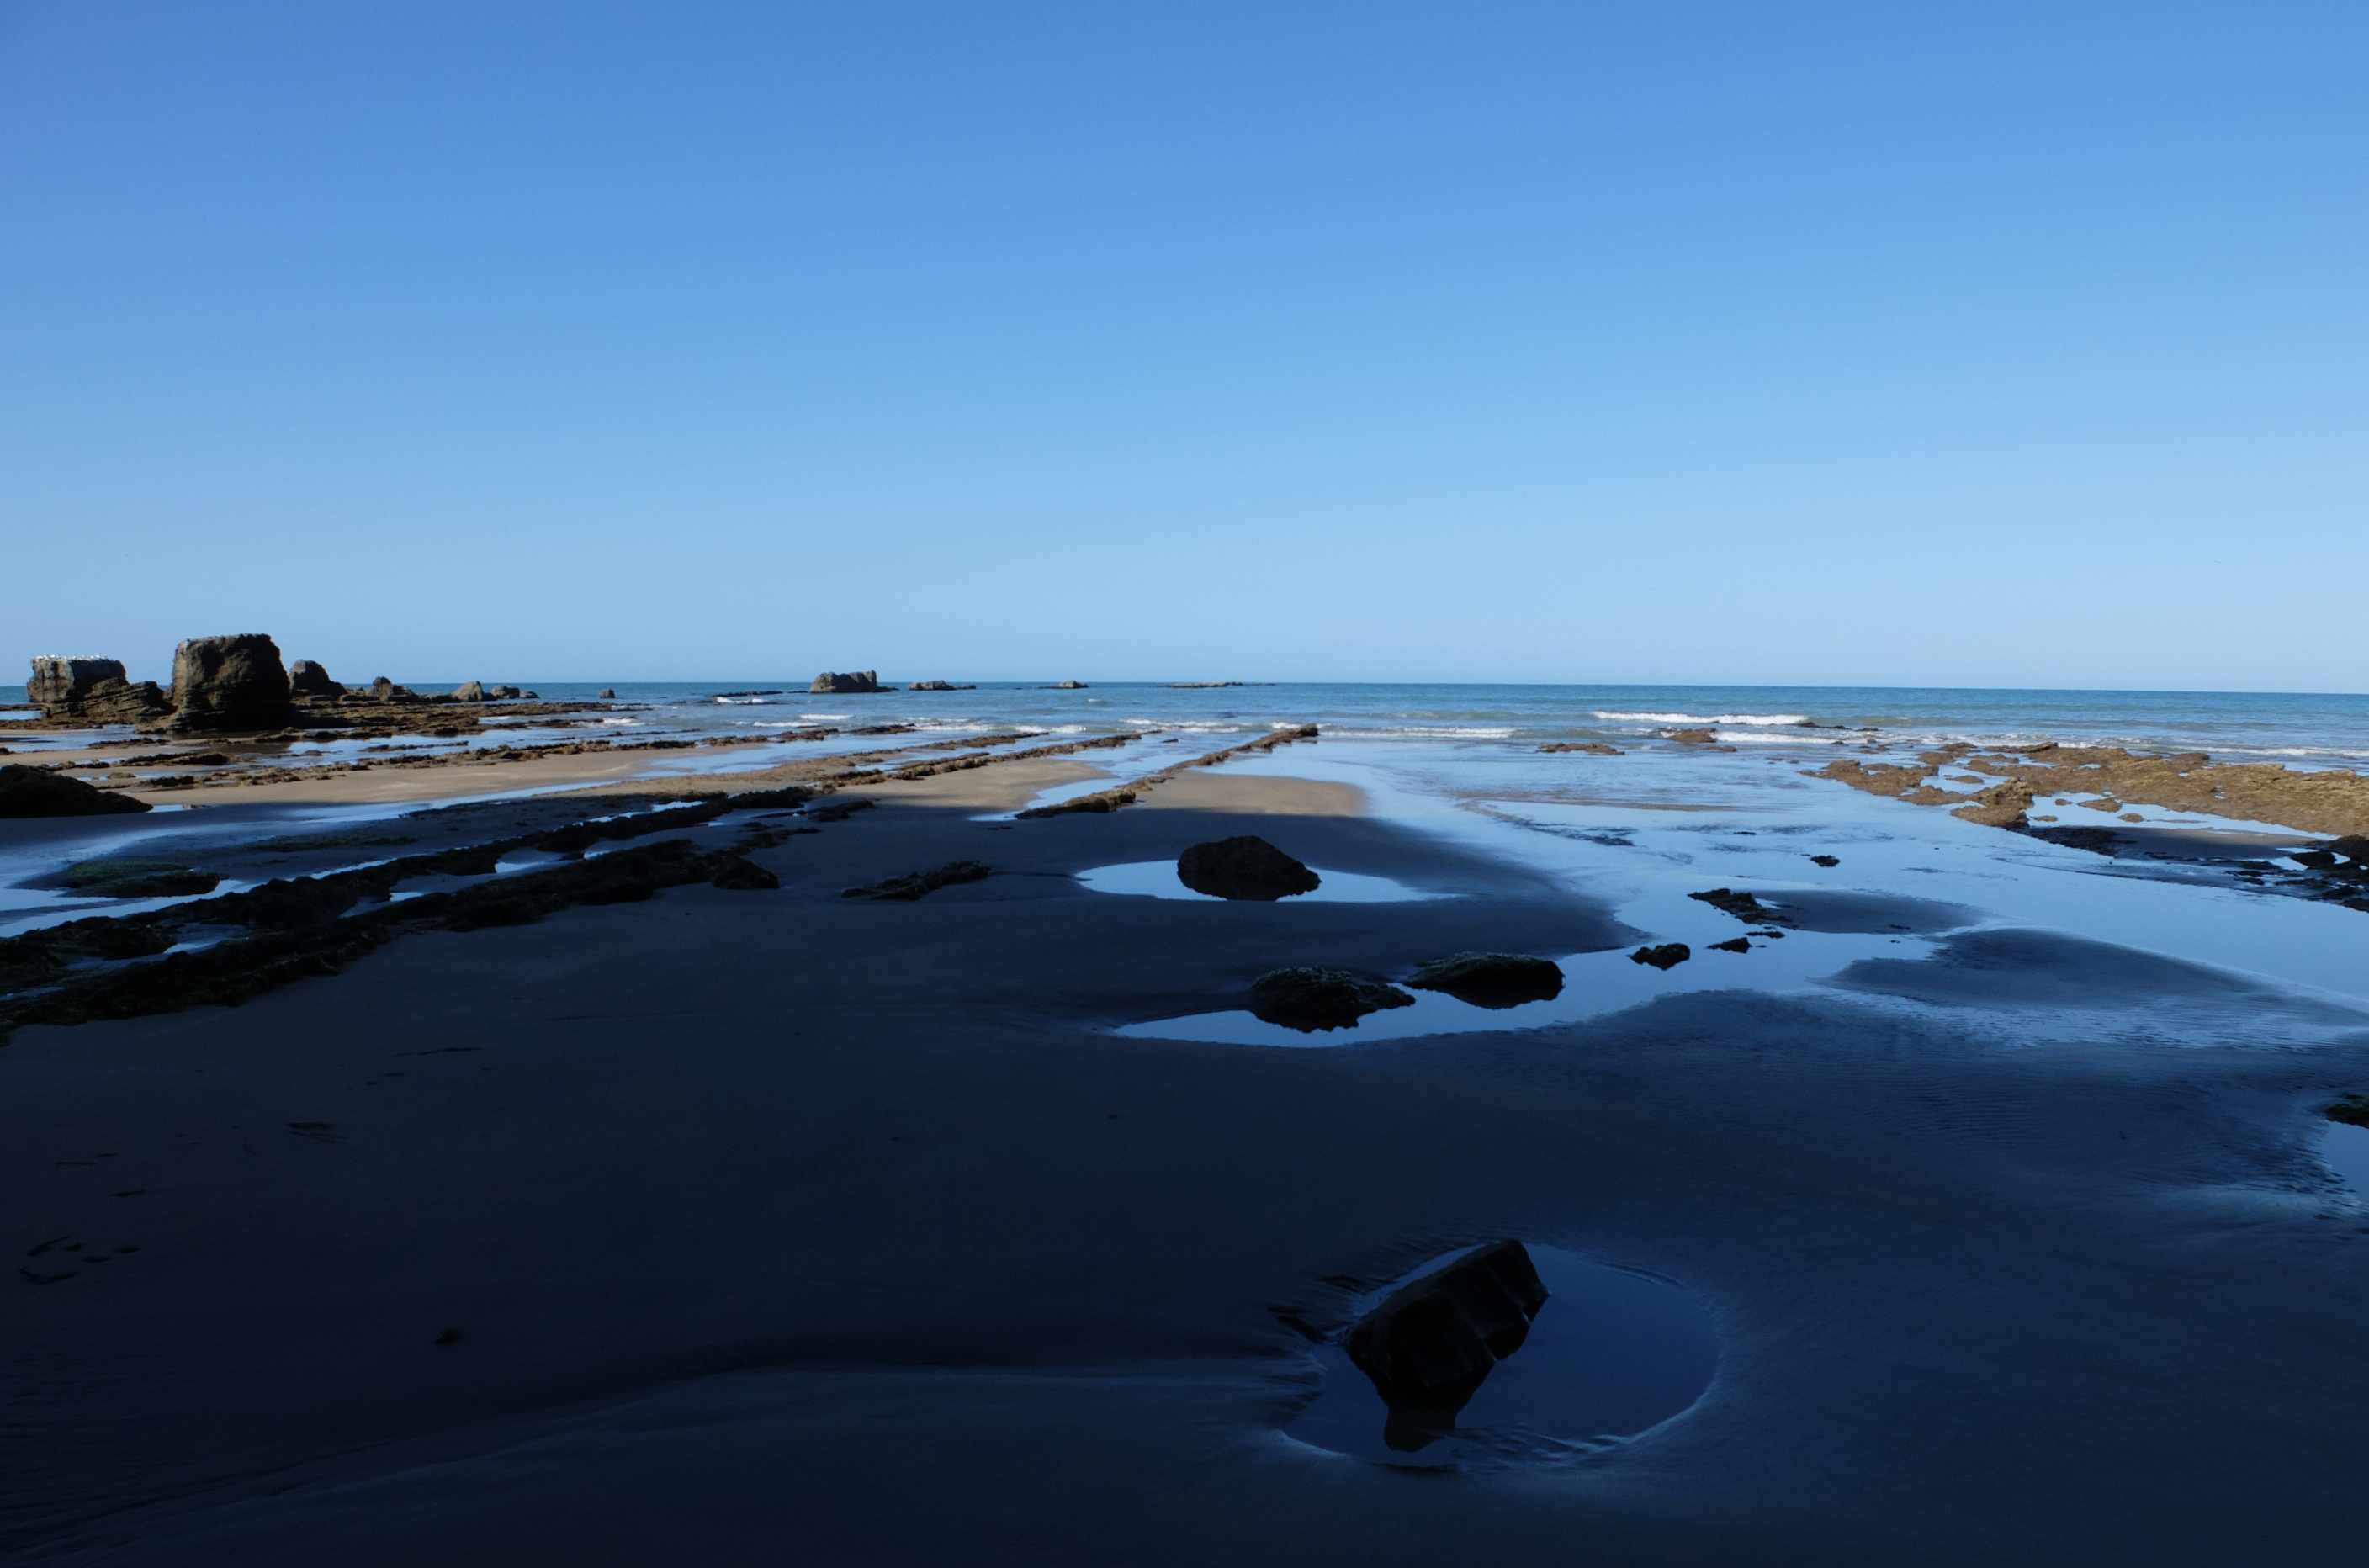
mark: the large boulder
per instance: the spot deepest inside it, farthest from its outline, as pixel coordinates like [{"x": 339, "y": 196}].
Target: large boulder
[
  {"x": 469, "y": 691},
  {"x": 37, "y": 792},
  {"x": 231, "y": 683},
  {"x": 306, "y": 679},
  {"x": 1311, "y": 999},
  {"x": 831, "y": 684},
  {"x": 1244, "y": 867},
  {"x": 1431, "y": 1344},
  {"x": 1492, "y": 979},
  {"x": 94, "y": 690}
]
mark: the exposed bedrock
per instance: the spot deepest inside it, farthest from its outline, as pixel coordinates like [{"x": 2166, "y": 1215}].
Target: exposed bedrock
[
  {"x": 1244, "y": 867},
  {"x": 308, "y": 678},
  {"x": 2327, "y": 801},
  {"x": 230, "y": 682},
  {"x": 836, "y": 683},
  {"x": 1430, "y": 1345},
  {"x": 37, "y": 792},
  {"x": 94, "y": 690},
  {"x": 1492, "y": 979},
  {"x": 1311, "y": 999}
]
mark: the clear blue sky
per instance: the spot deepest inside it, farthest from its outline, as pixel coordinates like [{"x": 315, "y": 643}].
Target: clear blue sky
[{"x": 2012, "y": 344}]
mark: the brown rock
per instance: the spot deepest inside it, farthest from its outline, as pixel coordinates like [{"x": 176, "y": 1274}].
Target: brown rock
[
  {"x": 306, "y": 679},
  {"x": 95, "y": 691}
]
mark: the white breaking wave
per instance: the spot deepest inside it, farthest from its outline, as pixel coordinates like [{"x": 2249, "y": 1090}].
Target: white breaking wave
[{"x": 1714, "y": 718}]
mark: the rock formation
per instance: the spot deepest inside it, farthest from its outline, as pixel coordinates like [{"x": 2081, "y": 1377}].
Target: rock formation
[
  {"x": 386, "y": 690},
  {"x": 1592, "y": 748},
  {"x": 1244, "y": 867},
  {"x": 1069, "y": 686},
  {"x": 835, "y": 684},
  {"x": 938, "y": 686},
  {"x": 230, "y": 682},
  {"x": 1308, "y": 1000},
  {"x": 1492, "y": 979},
  {"x": 95, "y": 690},
  {"x": 607, "y": 693},
  {"x": 1430, "y": 1345},
  {"x": 37, "y": 792},
  {"x": 469, "y": 691},
  {"x": 306, "y": 679},
  {"x": 1668, "y": 955}
]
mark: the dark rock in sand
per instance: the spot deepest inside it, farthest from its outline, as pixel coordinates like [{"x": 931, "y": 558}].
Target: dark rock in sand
[
  {"x": 306, "y": 679},
  {"x": 230, "y": 682},
  {"x": 1492, "y": 979},
  {"x": 1743, "y": 906},
  {"x": 918, "y": 883},
  {"x": 1308, "y": 998},
  {"x": 37, "y": 792},
  {"x": 741, "y": 876},
  {"x": 1824, "y": 860},
  {"x": 94, "y": 690},
  {"x": 2352, "y": 1110},
  {"x": 1244, "y": 867},
  {"x": 1668, "y": 955},
  {"x": 1431, "y": 1344},
  {"x": 831, "y": 684},
  {"x": 839, "y": 810}
]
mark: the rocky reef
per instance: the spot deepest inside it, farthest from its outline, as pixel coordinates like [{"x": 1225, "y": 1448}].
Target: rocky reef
[{"x": 835, "y": 683}]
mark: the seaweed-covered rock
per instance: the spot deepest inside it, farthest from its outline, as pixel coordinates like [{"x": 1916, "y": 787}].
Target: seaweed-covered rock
[
  {"x": 1432, "y": 1343},
  {"x": 230, "y": 682},
  {"x": 37, "y": 792},
  {"x": 1244, "y": 867},
  {"x": 2000, "y": 806},
  {"x": 94, "y": 690},
  {"x": 308, "y": 678},
  {"x": 837, "y": 683},
  {"x": 136, "y": 879},
  {"x": 1311, "y": 999},
  {"x": 1492, "y": 979},
  {"x": 1668, "y": 955}
]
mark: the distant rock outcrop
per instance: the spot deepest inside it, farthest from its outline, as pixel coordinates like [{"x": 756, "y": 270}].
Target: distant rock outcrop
[
  {"x": 1069, "y": 686},
  {"x": 307, "y": 678},
  {"x": 1309, "y": 999},
  {"x": 1592, "y": 748},
  {"x": 1430, "y": 1345},
  {"x": 837, "y": 684},
  {"x": 37, "y": 792},
  {"x": 1244, "y": 867},
  {"x": 386, "y": 690},
  {"x": 1492, "y": 979},
  {"x": 230, "y": 682},
  {"x": 469, "y": 691},
  {"x": 95, "y": 690},
  {"x": 938, "y": 686},
  {"x": 606, "y": 693}
]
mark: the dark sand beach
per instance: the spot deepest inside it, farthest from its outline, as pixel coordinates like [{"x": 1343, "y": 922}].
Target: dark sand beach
[{"x": 731, "y": 1225}]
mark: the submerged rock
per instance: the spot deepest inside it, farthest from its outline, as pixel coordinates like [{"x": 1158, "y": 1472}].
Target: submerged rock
[
  {"x": 835, "y": 683},
  {"x": 1743, "y": 906},
  {"x": 1668, "y": 955},
  {"x": 95, "y": 690},
  {"x": 230, "y": 682},
  {"x": 137, "y": 878},
  {"x": 1430, "y": 1345},
  {"x": 1492, "y": 979},
  {"x": 307, "y": 678},
  {"x": 1311, "y": 999},
  {"x": 1244, "y": 867},
  {"x": 37, "y": 792}
]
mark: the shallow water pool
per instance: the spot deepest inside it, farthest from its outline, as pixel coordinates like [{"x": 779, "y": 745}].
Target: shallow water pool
[
  {"x": 1611, "y": 1353},
  {"x": 1158, "y": 879}
]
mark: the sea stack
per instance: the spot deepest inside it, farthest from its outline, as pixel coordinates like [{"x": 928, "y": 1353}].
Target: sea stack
[{"x": 230, "y": 682}]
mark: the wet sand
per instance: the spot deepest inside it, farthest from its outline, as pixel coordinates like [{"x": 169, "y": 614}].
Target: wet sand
[{"x": 775, "y": 1224}]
